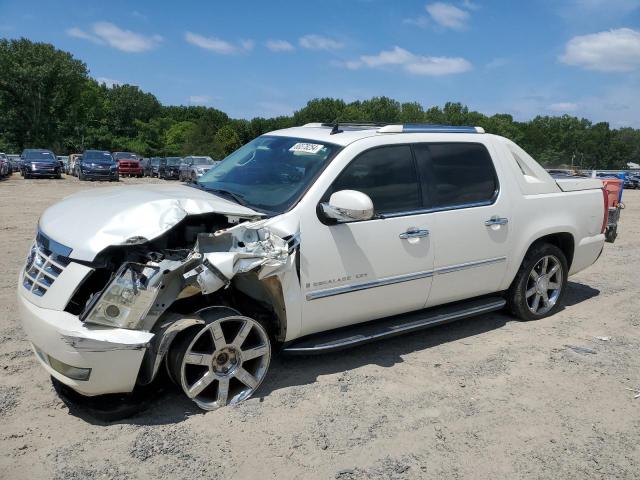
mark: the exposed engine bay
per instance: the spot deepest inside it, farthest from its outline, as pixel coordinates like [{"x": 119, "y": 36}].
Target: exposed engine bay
[{"x": 204, "y": 260}]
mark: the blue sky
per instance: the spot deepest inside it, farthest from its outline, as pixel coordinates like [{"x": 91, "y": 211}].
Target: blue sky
[{"x": 265, "y": 58}]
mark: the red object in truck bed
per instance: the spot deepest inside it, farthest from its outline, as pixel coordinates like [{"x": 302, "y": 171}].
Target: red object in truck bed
[{"x": 612, "y": 187}]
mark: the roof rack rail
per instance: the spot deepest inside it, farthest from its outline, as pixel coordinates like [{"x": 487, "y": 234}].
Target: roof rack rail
[
  {"x": 383, "y": 127},
  {"x": 426, "y": 128},
  {"x": 355, "y": 124}
]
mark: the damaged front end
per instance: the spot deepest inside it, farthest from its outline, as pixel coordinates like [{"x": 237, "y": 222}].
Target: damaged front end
[{"x": 158, "y": 285}]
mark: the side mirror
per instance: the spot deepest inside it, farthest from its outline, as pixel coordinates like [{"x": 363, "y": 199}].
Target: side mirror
[{"x": 348, "y": 206}]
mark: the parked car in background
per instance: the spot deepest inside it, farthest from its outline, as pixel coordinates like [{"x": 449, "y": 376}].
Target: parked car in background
[
  {"x": 5, "y": 166},
  {"x": 64, "y": 160},
  {"x": 152, "y": 167},
  {"x": 193, "y": 167},
  {"x": 14, "y": 159},
  {"x": 631, "y": 181},
  {"x": 128, "y": 164},
  {"x": 72, "y": 164},
  {"x": 97, "y": 165},
  {"x": 38, "y": 162},
  {"x": 170, "y": 168}
]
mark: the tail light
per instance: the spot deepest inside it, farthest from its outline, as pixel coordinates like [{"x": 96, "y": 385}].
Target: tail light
[{"x": 605, "y": 219}]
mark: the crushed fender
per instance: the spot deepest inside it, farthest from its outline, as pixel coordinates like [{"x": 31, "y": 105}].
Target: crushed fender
[{"x": 242, "y": 248}]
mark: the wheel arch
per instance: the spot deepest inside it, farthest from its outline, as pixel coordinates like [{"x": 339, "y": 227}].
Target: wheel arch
[{"x": 564, "y": 239}]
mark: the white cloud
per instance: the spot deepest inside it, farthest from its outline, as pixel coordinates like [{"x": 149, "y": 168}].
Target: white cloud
[
  {"x": 75, "y": 32},
  {"x": 109, "y": 82},
  {"x": 421, "y": 21},
  {"x": 218, "y": 45},
  {"x": 279, "y": 46},
  {"x": 105, "y": 33},
  {"x": 318, "y": 42},
  {"x": 200, "y": 99},
  {"x": 563, "y": 107},
  {"x": 609, "y": 51},
  {"x": 469, "y": 5},
  {"x": 448, "y": 16},
  {"x": 411, "y": 63}
]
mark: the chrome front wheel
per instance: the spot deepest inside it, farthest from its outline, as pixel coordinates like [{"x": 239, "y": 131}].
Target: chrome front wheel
[{"x": 222, "y": 363}]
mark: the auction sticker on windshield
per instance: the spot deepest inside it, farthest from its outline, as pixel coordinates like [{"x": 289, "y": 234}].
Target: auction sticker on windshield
[{"x": 312, "y": 148}]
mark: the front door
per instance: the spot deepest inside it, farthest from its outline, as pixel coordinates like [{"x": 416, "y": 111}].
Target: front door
[{"x": 359, "y": 271}]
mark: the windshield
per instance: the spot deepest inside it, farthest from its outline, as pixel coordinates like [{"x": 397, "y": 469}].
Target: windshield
[
  {"x": 171, "y": 161},
  {"x": 155, "y": 162},
  {"x": 40, "y": 156},
  {"x": 202, "y": 160},
  {"x": 270, "y": 173},
  {"x": 97, "y": 157}
]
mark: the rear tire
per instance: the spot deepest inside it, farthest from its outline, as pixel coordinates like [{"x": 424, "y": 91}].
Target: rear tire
[{"x": 539, "y": 288}]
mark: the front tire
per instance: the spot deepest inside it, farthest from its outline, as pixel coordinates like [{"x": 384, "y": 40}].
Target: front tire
[
  {"x": 222, "y": 362},
  {"x": 540, "y": 285}
]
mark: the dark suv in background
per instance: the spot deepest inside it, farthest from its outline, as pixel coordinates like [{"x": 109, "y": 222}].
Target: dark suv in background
[
  {"x": 170, "y": 168},
  {"x": 152, "y": 167},
  {"x": 97, "y": 165},
  {"x": 38, "y": 162}
]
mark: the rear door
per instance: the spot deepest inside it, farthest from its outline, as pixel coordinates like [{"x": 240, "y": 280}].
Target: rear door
[{"x": 471, "y": 229}]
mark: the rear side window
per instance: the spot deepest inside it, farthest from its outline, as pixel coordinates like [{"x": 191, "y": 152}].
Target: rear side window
[
  {"x": 456, "y": 174},
  {"x": 387, "y": 175}
]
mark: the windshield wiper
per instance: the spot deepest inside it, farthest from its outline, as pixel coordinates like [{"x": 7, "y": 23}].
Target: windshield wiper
[{"x": 239, "y": 199}]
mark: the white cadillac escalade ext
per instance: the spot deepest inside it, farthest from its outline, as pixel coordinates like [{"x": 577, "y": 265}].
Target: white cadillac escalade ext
[{"x": 311, "y": 239}]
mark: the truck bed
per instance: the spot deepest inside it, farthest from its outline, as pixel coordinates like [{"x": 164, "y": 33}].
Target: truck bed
[{"x": 569, "y": 183}]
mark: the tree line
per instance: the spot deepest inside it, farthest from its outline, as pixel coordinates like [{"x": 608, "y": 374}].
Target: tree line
[{"x": 48, "y": 100}]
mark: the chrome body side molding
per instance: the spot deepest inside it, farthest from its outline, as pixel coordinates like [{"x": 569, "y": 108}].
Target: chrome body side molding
[{"x": 330, "y": 292}]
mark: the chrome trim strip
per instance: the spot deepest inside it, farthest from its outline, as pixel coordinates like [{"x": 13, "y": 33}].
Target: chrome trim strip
[
  {"x": 485, "y": 203},
  {"x": 330, "y": 292},
  {"x": 406, "y": 328},
  {"x": 464, "y": 266},
  {"x": 51, "y": 245}
]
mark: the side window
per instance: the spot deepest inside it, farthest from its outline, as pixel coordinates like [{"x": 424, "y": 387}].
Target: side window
[
  {"x": 456, "y": 173},
  {"x": 387, "y": 175}
]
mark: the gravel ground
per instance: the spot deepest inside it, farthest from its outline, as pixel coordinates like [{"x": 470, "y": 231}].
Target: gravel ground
[{"x": 488, "y": 397}]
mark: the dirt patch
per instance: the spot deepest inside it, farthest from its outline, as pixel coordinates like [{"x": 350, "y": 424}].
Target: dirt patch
[{"x": 488, "y": 397}]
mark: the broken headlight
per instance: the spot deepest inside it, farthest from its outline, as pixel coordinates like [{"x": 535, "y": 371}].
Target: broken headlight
[{"x": 126, "y": 300}]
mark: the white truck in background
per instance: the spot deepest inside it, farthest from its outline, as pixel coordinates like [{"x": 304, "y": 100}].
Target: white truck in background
[{"x": 308, "y": 240}]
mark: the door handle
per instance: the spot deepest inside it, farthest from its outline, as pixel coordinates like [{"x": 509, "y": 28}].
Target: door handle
[
  {"x": 496, "y": 220},
  {"x": 414, "y": 233}
]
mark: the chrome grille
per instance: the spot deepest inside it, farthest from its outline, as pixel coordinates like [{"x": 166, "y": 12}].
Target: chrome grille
[{"x": 43, "y": 267}]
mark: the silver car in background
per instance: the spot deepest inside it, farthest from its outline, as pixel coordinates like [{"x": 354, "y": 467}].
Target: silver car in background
[{"x": 193, "y": 167}]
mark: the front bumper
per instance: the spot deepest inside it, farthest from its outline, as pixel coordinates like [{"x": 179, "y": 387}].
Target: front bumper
[
  {"x": 114, "y": 355},
  {"x": 43, "y": 172},
  {"x": 130, "y": 171},
  {"x": 100, "y": 174}
]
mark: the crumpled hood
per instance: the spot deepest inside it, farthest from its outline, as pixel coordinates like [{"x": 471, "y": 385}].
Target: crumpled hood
[{"x": 91, "y": 220}]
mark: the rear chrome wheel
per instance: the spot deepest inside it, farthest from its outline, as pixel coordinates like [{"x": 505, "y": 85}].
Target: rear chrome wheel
[
  {"x": 223, "y": 362},
  {"x": 544, "y": 285},
  {"x": 539, "y": 286}
]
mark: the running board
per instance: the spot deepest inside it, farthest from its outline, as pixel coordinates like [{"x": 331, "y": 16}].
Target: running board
[{"x": 389, "y": 327}]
